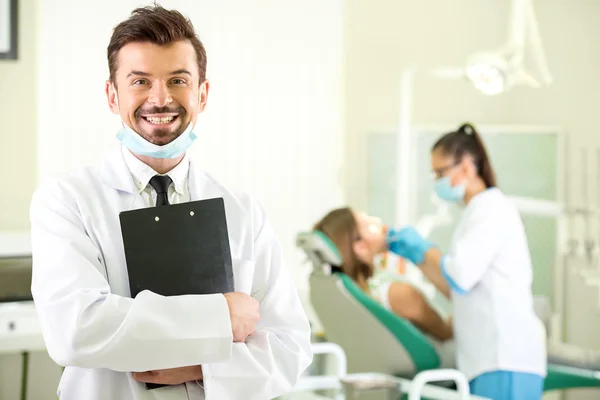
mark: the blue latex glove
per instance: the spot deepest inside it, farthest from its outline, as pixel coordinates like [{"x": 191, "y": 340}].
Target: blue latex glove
[{"x": 408, "y": 243}]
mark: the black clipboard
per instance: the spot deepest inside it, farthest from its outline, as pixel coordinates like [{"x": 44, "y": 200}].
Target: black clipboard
[{"x": 178, "y": 249}]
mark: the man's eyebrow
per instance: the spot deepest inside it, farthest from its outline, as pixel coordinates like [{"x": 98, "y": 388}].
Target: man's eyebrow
[
  {"x": 181, "y": 71},
  {"x": 139, "y": 73},
  {"x": 142, "y": 73}
]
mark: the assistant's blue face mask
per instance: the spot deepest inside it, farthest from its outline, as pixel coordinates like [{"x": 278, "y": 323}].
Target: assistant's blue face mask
[
  {"x": 138, "y": 145},
  {"x": 446, "y": 191}
]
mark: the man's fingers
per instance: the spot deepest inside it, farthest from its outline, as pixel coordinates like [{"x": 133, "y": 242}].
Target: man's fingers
[
  {"x": 146, "y": 377},
  {"x": 171, "y": 376},
  {"x": 248, "y": 336}
]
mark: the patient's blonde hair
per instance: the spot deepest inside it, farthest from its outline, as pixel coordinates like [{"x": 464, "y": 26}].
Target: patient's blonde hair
[{"x": 341, "y": 227}]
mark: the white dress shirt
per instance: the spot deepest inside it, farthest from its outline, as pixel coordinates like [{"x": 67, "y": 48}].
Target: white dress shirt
[{"x": 141, "y": 173}]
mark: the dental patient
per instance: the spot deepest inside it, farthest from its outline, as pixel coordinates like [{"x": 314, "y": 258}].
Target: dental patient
[
  {"x": 392, "y": 281},
  {"x": 401, "y": 287}
]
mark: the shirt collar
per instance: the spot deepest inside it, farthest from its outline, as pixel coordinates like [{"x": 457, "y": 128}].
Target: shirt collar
[{"x": 142, "y": 173}]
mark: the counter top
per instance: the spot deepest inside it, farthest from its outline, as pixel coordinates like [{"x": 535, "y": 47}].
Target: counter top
[{"x": 15, "y": 244}]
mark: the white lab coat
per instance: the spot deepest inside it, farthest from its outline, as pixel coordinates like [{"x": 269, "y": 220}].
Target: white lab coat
[
  {"x": 489, "y": 269},
  {"x": 92, "y": 326}
]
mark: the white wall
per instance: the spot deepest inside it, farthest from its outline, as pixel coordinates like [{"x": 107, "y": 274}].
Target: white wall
[
  {"x": 273, "y": 122},
  {"x": 18, "y": 113},
  {"x": 383, "y": 37}
]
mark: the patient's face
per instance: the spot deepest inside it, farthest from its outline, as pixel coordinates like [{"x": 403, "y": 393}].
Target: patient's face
[{"x": 372, "y": 236}]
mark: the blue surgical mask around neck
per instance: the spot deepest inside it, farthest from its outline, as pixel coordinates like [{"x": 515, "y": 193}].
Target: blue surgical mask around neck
[
  {"x": 446, "y": 191},
  {"x": 138, "y": 145}
]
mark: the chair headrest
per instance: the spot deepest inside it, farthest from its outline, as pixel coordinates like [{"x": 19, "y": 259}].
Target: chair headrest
[{"x": 319, "y": 248}]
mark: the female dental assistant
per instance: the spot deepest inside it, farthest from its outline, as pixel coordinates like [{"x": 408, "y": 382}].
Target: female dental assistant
[{"x": 499, "y": 340}]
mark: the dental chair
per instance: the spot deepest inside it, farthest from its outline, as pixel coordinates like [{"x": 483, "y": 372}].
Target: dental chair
[{"x": 377, "y": 340}]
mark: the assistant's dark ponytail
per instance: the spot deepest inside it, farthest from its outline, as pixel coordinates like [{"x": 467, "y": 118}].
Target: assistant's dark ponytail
[{"x": 466, "y": 140}]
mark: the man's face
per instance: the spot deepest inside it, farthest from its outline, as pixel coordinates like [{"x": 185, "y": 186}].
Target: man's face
[{"x": 157, "y": 92}]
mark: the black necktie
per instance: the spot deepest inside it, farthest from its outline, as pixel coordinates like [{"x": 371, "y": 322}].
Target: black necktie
[{"x": 161, "y": 183}]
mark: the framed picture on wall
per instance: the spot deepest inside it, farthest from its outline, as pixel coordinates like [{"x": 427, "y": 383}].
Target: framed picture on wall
[{"x": 8, "y": 29}]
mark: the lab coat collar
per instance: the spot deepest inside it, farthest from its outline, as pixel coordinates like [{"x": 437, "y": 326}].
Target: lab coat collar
[
  {"x": 142, "y": 172},
  {"x": 201, "y": 185},
  {"x": 116, "y": 175}
]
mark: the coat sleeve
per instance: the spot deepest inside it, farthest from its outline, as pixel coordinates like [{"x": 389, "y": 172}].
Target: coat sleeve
[
  {"x": 271, "y": 361},
  {"x": 85, "y": 325},
  {"x": 473, "y": 252}
]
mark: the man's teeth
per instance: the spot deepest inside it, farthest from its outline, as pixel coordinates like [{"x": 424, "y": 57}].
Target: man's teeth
[{"x": 159, "y": 121}]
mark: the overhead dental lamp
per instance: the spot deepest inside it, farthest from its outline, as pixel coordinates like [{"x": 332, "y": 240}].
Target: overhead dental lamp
[
  {"x": 489, "y": 72},
  {"x": 495, "y": 72}
]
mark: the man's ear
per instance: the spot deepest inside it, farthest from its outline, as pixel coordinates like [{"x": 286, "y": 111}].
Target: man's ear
[
  {"x": 204, "y": 86},
  {"x": 111, "y": 96}
]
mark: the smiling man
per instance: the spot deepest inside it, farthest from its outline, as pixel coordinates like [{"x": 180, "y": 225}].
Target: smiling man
[{"x": 216, "y": 347}]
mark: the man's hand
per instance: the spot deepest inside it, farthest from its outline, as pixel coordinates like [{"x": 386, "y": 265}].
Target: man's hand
[
  {"x": 244, "y": 315},
  {"x": 173, "y": 376}
]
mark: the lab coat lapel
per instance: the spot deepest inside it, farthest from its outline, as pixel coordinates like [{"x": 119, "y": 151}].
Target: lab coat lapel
[
  {"x": 200, "y": 185},
  {"x": 115, "y": 174}
]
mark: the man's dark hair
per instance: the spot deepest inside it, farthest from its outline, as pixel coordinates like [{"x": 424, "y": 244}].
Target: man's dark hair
[{"x": 154, "y": 24}]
